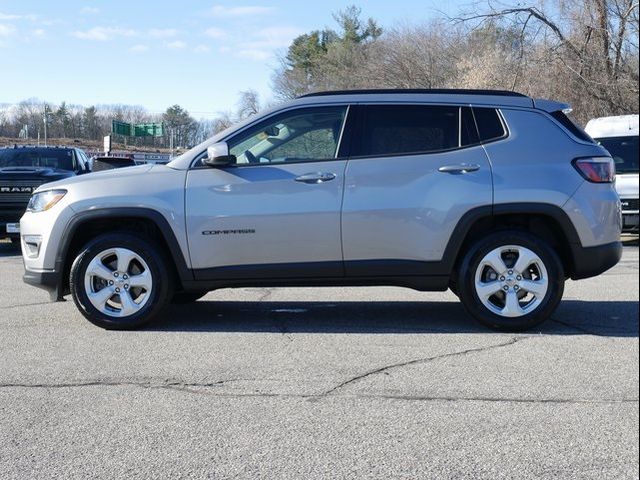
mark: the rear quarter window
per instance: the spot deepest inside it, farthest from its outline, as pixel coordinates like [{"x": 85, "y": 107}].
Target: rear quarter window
[
  {"x": 490, "y": 124},
  {"x": 570, "y": 125}
]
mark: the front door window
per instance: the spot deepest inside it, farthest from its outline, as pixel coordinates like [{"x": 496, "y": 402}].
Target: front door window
[{"x": 301, "y": 135}]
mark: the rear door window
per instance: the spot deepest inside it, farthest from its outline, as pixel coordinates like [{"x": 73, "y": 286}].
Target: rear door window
[{"x": 412, "y": 129}]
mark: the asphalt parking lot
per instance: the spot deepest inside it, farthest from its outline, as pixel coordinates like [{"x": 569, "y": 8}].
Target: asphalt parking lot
[{"x": 321, "y": 383}]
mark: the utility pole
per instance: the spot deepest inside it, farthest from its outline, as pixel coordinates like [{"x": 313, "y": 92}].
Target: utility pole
[{"x": 44, "y": 118}]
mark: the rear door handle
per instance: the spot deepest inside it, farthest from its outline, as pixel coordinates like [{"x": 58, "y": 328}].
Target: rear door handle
[
  {"x": 317, "y": 177},
  {"x": 459, "y": 168}
]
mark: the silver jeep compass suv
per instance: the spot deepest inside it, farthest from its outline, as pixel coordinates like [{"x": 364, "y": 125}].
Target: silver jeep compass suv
[{"x": 492, "y": 194}]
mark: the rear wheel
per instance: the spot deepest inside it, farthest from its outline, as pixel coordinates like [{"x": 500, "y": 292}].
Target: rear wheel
[
  {"x": 511, "y": 280},
  {"x": 120, "y": 281}
]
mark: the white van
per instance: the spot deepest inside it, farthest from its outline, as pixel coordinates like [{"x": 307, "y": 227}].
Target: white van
[{"x": 619, "y": 135}]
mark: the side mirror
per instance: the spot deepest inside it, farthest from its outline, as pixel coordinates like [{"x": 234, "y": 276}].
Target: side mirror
[
  {"x": 218, "y": 155},
  {"x": 272, "y": 131}
]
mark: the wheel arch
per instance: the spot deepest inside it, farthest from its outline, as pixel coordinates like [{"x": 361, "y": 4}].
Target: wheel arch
[
  {"x": 547, "y": 221},
  {"x": 86, "y": 225}
]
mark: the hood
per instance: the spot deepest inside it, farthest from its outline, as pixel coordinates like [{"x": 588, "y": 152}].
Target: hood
[
  {"x": 627, "y": 185},
  {"x": 100, "y": 177},
  {"x": 36, "y": 174}
]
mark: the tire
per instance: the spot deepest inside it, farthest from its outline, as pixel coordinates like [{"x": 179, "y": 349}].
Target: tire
[
  {"x": 522, "y": 299},
  {"x": 96, "y": 269},
  {"x": 183, "y": 298}
]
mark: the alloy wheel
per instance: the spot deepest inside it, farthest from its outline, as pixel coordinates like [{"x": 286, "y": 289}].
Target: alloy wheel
[
  {"x": 118, "y": 282},
  {"x": 511, "y": 281}
]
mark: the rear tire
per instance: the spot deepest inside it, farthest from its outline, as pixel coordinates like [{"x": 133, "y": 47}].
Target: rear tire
[
  {"x": 120, "y": 281},
  {"x": 510, "y": 280}
]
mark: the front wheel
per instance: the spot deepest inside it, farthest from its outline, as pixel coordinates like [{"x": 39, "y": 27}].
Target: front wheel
[
  {"x": 511, "y": 280},
  {"x": 120, "y": 281}
]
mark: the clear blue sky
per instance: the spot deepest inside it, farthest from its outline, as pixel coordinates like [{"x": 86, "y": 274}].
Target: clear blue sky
[{"x": 198, "y": 54}]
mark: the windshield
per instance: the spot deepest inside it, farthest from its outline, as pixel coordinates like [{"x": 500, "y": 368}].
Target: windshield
[
  {"x": 624, "y": 151},
  {"x": 41, "y": 157}
]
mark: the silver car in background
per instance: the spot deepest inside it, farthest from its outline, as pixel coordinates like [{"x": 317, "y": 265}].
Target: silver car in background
[
  {"x": 619, "y": 135},
  {"x": 494, "y": 195}
]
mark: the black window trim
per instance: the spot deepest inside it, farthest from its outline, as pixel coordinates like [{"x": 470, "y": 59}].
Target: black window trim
[
  {"x": 344, "y": 130},
  {"x": 352, "y": 127},
  {"x": 360, "y": 120},
  {"x": 589, "y": 140},
  {"x": 505, "y": 127}
]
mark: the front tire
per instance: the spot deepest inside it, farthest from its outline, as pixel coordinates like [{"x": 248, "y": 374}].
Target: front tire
[
  {"x": 120, "y": 281},
  {"x": 511, "y": 280}
]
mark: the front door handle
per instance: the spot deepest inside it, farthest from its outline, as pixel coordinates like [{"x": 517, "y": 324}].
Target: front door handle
[
  {"x": 317, "y": 177},
  {"x": 459, "y": 168}
]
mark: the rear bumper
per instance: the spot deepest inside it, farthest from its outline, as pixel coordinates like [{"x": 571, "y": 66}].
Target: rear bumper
[
  {"x": 48, "y": 280},
  {"x": 592, "y": 261}
]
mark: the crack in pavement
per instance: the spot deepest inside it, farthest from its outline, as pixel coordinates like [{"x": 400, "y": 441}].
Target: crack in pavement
[
  {"x": 498, "y": 400},
  {"x": 575, "y": 327},
  {"x": 26, "y": 305},
  {"x": 581, "y": 329},
  {"x": 376, "y": 371},
  {"x": 126, "y": 383},
  {"x": 264, "y": 293},
  {"x": 187, "y": 387},
  {"x": 281, "y": 325}
]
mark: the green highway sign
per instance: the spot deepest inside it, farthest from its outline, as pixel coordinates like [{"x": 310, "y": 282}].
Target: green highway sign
[
  {"x": 148, "y": 130},
  {"x": 121, "y": 128},
  {"x": 138, "y": 129}
]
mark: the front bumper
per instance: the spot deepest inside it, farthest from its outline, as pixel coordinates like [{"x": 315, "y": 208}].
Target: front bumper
[
  {"x": 592, "y": 261},
  {"x": 50, "y": 281},
  {"x": 3, "y": 230}
]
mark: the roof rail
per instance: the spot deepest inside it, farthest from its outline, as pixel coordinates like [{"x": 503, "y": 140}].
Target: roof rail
[{"x": 432, "y": 91}]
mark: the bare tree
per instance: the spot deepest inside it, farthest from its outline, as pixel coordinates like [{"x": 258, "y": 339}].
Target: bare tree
[
  {"x": 249, "y": 104},
  {"x": 585, "y": 51}
]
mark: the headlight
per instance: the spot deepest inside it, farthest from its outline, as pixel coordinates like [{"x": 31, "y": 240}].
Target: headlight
[{"x": 42, "y": 201}]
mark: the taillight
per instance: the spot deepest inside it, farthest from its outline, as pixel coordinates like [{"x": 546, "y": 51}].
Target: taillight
[{"x": 596, "y": 169}]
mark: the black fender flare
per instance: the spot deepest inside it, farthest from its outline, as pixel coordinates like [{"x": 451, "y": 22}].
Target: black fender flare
[
  {"x": 474, "y": 215},
  {"x": 62, "y": 256}
]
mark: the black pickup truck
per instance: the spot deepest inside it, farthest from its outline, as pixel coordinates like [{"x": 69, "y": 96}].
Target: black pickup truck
[{"x": 23, "y": 169}]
